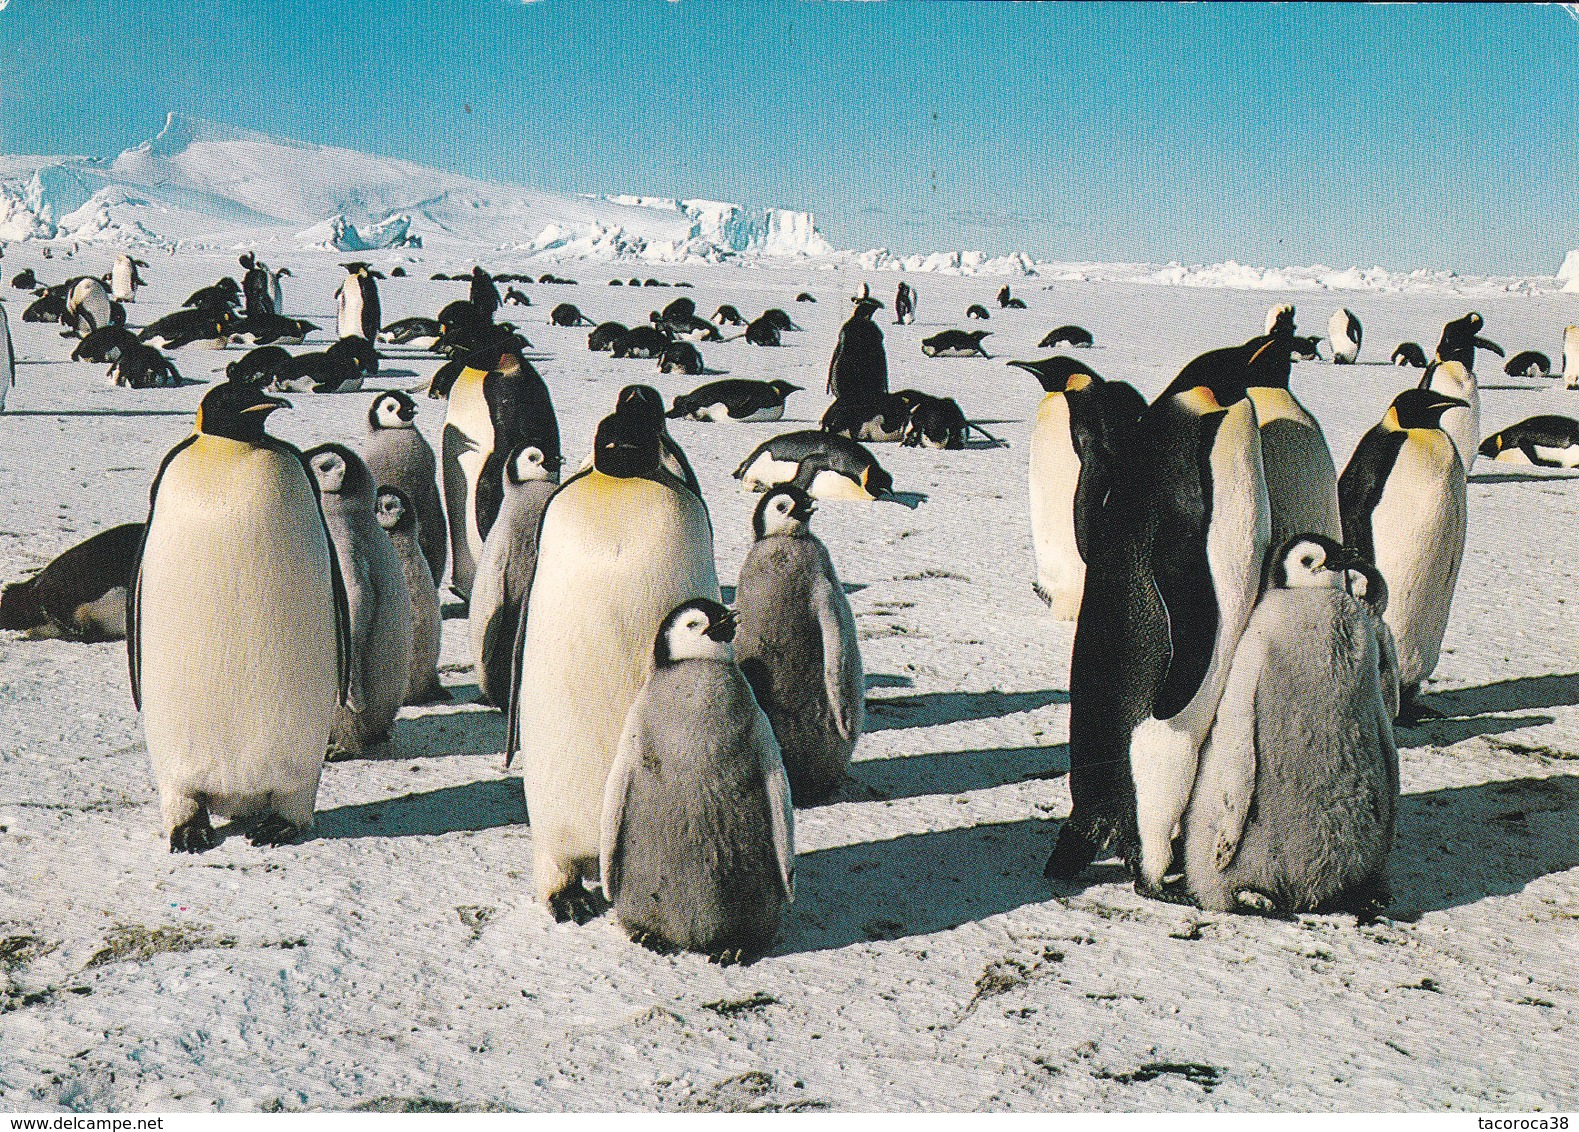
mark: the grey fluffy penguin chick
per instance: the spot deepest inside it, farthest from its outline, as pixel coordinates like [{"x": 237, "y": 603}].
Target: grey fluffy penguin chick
[
  {"x": 398, "y": 455},
  {"x": 697, "y": 837},
  {"x": 798, "y": 646},
  {"x": 398, "y": 517}
]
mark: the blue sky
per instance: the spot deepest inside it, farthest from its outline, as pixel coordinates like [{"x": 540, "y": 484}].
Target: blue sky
[{"x": 1443, "y": 136}]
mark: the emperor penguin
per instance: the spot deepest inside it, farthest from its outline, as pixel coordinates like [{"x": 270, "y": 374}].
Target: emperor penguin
[
  {"x": 798, "y": 646},
  {"x": 7, "y": 358},
  {"x": 858, "y": 370},
  {"x": 1177, "y": 554},
  {"x": 1402, "y": 500},
  {"x": 1344, "y": 332},
  {"x": 255, "y": 288},
  {"x": 696, "y": 842},
  {"x": 276, "y": 290},
  {"x": 125, "y": 279},
  {"x": 399, "y": 455},
  {"x": 647, "y": 403},
  {"x": 87, "y": 307},
  {"x": 356, "y": 302},
  {"x": 399, "y": 518},
  {"x": 1297, "y": 791},
  {"x": 376, "y": 594},
  {"x": 505, "y": 568},
  {"x": 1301, "y": 478},
  {"x": 622, "y": 544},
  {"x": 1080, "y": 430},
  {"x": 1570, "y": 357},
  {"x": 522, "y": 412},
  {"x": 1460, "y": 339},
  {"x": 237, "y": 628}
]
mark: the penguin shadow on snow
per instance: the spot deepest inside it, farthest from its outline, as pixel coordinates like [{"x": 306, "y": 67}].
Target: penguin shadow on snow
[
  {"x": 104, "y": 412},
  {"x": 487, "y": 804},
  {"x": 441, "y": 734},
  {"x": 1462, "y": 713},
  {"x": 955, "y": 772},
  {"x": 1517, "y": 477},
  {"x": 1456, "y": 846},
  {"x": 925, "y": 709},
  {"x": 915, "y": 885}
]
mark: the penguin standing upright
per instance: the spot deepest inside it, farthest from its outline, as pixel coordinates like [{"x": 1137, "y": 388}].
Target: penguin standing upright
[
  {"x": 376, "y": 595},
  {"x": 484, "y": 295},
  {"x": 237, "y": 627},
  {"x": 399, "y": 518},
  {"x": 276, "y": 290},
  {"x": 1301, "y": 479},
  {"x": 622, "y": 545},
  {"x": 356, "y": 301},
  {"x": 255, "y": 289},
  {"x": 124, "y": 278},
  {"x": 697, "y": 831},
  {"x": 522, "y": 412},
  {"x": 1571, "y": 357},
  {"x": 1297, "y": 791},
  {"x": 1402, "y": 499},
  {"x": 1081, "y": 430},
  {"x": 87, "y": 307},
  {"x": 1460, "y": 339},
  {"x": 399, "y": 455},
  {"x": 798, "y": 647},
  {"x": 1344, "y": 332},
  {"x": 1175, "y": 570},
  {"x": 505, "y": 569},
  {"x": 904, "y": 304},
  {"x": 7, "y": 358},
  {"x": 859, "y": 368}
]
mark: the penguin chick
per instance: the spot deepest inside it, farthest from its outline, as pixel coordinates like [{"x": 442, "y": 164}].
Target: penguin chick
[
  {"x": 398, "y": 516},
  {"x": 697, "y": 838}
]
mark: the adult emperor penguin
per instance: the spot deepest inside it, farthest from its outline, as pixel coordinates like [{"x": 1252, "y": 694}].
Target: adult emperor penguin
[
  {"x": 798, "y": 647},
  {"x": 1344, "y": 332},
  {"x": 255, "y": 287},
  {"x": 87, "y": 307},
  {"x": 356, "y": 301},
  {"x": 467, "y": 441},
  {"x": 1460, "y": 422},
  {"x": 237, "y": 632},
  {"x": 399, "y": 455},
  {"x": 276, "y": 290},
  {"x": 1080, "y": 432},
  {"x": 859, "y": 368},
  {"x": 1301, "y": 479},
  {"x": 505, "y": 569},
  {"x": 7, "y": 358},
  {"x": 622, "y": 544},
  {"x": 125, "y": 279},
  {"x": 697, "y": 832},
  {"x": 1174, "y": 572},
  {"x": 399, "y": 518},
  {"x": 1402, "y": 499},
  {"x": 1297, "y": 791},
  {"x": 376, "y": 595},
  {"x": 521, "y": 412},
  {"x": 1571, "y": 357}
]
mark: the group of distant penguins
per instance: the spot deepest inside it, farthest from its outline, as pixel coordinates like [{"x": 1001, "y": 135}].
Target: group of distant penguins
[{"x": 1249, "y": 624}]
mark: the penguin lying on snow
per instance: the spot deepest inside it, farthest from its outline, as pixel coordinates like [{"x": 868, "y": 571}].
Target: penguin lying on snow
[
  {"x": 103, "y": 345},
  {"x": 798, "y": 646},
  {"x": 24, "y": 280},
  {"x": 821, "y": 464},
  {"x": 339, "y": 369},
  {"x": 763, "y": 332},
  {"x": 1409, "y": 354},
  {"x": 697, "y": 833},
  {"x": 734, "y": 399},
  {"x": 727, "y": 315},
  {"x": 418, "y": 333},
  {"x": 237, "y": 703},
  {"x": 565, "y": 314},
  {"x": 258, "y": 365},
  {"x": 262, "y": 329},
  {"x": 955, "y": 344},
  {"x": 1529, "y": 363},
  {"x": 219, "y": 297},
  {"x": 184, "y": 327},
  {"x": 976, "y": 310},
  {"x": 779, "y": 319},
  {"x": 81, "y": 594},
  {"x": 1297, "y": 792},
  {"x": 1071, "y": 335},
  {"x": 641, "y": 342},
  {"x": 142, "y": 367},
  {"x": 1544, "y": 441},
  {"x": 877, "y": 419},
  {"x": 681, "y": 356},
  {"x": 804, "y": 297},
  {"x": 604, "y": 335},
  {"x": 935, "y": 422}
]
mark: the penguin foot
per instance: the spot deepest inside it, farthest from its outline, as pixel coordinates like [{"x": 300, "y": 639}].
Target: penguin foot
[
  {"x": 573, "y": 902},
  {"x": 654, "y": 943},
  {"x": 273, "y": 830},
  {"x": 1259, "y": 904},
  {"x": 1170, "y": 891},
  {"x": 1047, "y": 598},
  {"x": 732, "y": 957},
  {"x": 1071, "y": 856},
  {"x": 194, "y": 836}
]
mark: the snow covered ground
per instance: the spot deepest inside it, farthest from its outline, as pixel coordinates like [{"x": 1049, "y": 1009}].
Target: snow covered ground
[{"x": 398, "y": 956}]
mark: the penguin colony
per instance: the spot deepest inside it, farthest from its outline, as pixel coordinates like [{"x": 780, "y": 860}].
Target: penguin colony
[{"x": 1250, "y": 626}]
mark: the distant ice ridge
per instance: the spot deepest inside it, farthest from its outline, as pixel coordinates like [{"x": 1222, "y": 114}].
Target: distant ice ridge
[{"x": 1568, "y": 273}]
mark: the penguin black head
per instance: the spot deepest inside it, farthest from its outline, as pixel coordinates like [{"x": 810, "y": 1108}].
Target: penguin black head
[
  {"x": 784, "y": 510},
  {"x": 1420, "y": 408},
  {"x": 394, "y": 511},
  {"x": 1060, "y": 374},
  {"x": 528, "y": 462},
  {"x": 1312, "y": 561},
  {"x": 237, "y": 410},
  {"x": 356, "y": 268},
  {"x": 356, "y": 351},
  {"x": 1461, "y": 338},
  {"x": 1282, "y": 319},
  {"x": 246, "y": 259},
  {"x": 340, "y": 471},
  {"x": 697, "y": 630},
  {"x": 1263, "y": 362},
  {"x": 865, "y": 306},
  {"x": 228, "y": 284},
  {"x": 393, "y": 409},
  {"x": 626, "y": 444},
  {"x": 642, "y": 400},
  {"x": 285, "y": 271},
  {"x": 782, "y": 388}
]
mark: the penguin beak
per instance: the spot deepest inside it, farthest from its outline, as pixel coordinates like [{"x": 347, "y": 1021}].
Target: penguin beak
[
  {"x": 723, "y": 629},
  {"x": 803, "y": 511},
  {"x": 267, "y": 404}
]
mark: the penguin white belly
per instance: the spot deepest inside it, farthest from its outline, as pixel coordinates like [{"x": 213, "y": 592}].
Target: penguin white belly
[
  {"x": 1571, "y": 357},
  {"x": 1517, "y": 456},
  {"x": 107, "y": 615},
  {"x": 615, "y": 556},
  {"x": 771, "y": 413},
  {"x": 7, "y": 359},
  {"x": 1055, "y": 474},
  {"x": 715, "y": 413},
  {"x": 124, "y": 290},
  {"x": 1301, "y": 479},
  {"x": 467, "y": 443},
  {"x": 237, "y": 634},
  {"x": 1463, "y": 426},
  {"x": 828, "y": 484},
  {"x": 765, "y": 471},
  {"x": 350, "y": 310},
  {"x": 1566, "y": 457},
  {"x": 1163, "y": 753},
  {"x": 1418, "y": 532}
]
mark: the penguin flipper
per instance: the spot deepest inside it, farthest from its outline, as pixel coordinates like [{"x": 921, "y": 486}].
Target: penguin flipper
[
  {"x": 781, "y": 807},
  {"x": 628, "y": 755},
  {"x": 135, "y": 589},
  {"x": 843, "y": 680},
  {"x": 1231, "y": 748},
  {"x": 1184, "y": 585}
]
